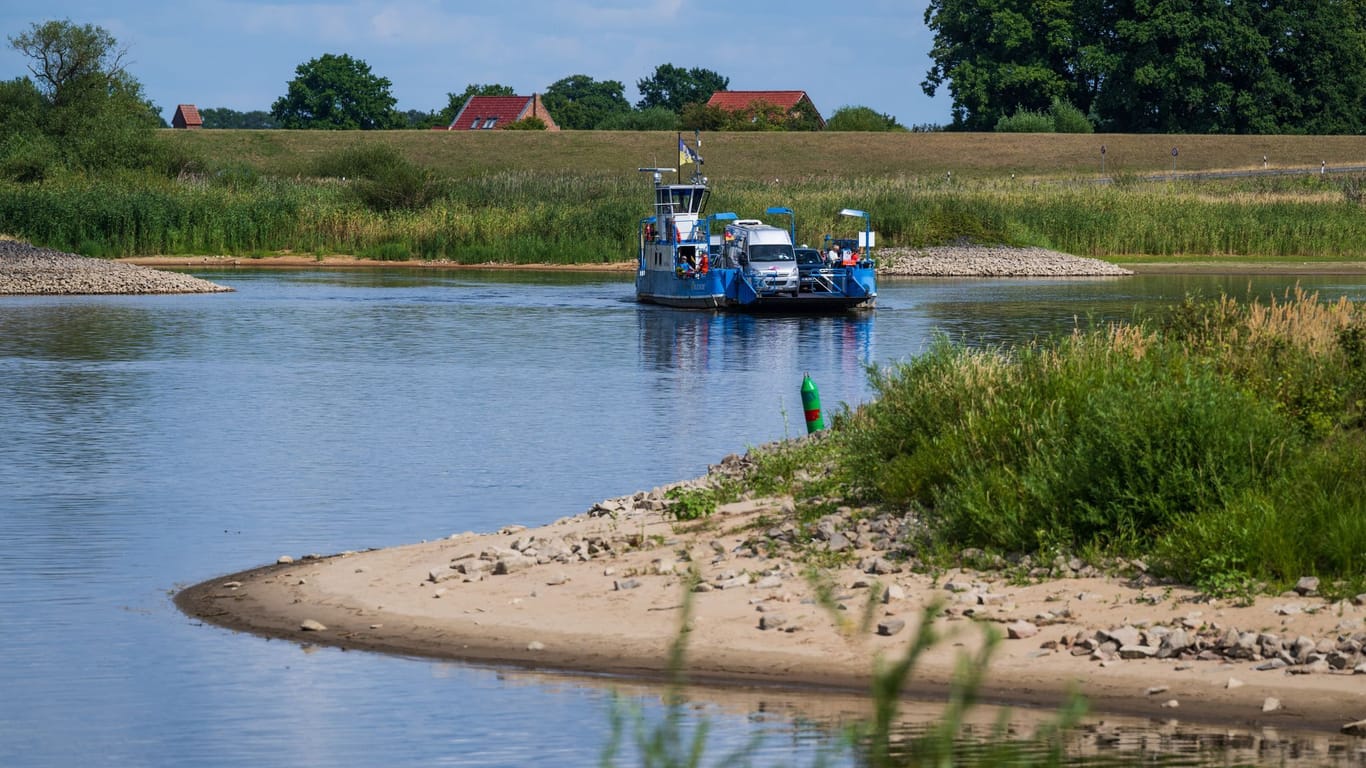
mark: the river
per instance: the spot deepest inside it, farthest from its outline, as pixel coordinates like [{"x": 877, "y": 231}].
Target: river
[{"x": 151, "y": 442}]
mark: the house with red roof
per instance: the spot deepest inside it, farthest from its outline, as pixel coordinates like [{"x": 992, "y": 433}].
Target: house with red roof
[
  {"x": 491, "y": 113},
  {"x": 187, "y": 116},
  {"x": 791, "y": 102}
]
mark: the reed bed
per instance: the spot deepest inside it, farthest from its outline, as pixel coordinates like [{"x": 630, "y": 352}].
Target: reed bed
[{"x": 568, "y": 218}]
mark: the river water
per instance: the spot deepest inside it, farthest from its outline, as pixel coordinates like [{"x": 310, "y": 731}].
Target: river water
[{"x": 147, "y": 443}]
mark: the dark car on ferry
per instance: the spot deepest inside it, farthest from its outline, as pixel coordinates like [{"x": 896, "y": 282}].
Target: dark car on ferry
[{"x": 808, "y": 262}]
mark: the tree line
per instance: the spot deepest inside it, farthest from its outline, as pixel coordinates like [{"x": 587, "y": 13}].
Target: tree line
[
  {"x": 1154, "y": 66},
  {"x": 337, "y": 91}
]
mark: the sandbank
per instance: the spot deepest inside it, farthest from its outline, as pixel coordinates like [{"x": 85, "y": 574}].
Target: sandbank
[{"x": 605, "y": 592}]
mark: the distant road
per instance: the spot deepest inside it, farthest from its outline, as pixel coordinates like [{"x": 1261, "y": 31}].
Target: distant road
[{"x": 1203, "y": 175}]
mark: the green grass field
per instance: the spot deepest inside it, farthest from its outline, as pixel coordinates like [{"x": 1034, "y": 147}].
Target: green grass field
[{"x": 787, "y": 157}]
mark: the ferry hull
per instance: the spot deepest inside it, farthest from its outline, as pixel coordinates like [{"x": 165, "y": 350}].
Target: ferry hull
[{"x": 729, "y": 290}]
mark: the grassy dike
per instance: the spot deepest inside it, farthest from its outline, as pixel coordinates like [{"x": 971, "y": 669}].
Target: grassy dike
[{"x": 575, "y": 197}]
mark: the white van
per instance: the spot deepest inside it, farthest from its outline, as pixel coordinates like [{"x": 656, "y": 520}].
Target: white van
[{"x": 765, "y": 254}]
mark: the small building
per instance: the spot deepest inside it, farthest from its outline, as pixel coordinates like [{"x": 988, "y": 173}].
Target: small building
[
  {"x": 187, "y": 116},
  {"x": 788, "y": 101},
  {"x": 492, "y": 113}
]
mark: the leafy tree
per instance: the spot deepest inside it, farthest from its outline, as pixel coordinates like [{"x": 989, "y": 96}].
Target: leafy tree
[
  {"x": 222, "y": 117},
  {"x": 1183, "y": 66},
  {"x": 673, "y": 88},
  {"x": 1317, "y": 52},
  {"x": 651, "y": 119},
  {"x": 855, "y": 118},
  {"x": 579, "y": 102},
  {"x": 1001, "y": 54},
  {"x": 1206, "y": 66},
  {"x": 67, "y": 58},
  {"x": 456, "y": 102},
  {"x": 83, "y": 111},
  {"x": 337, "y": 93}
]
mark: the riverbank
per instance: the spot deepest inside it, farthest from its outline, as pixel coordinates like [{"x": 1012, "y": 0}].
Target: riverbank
[
  {"x": 29, "y": 270},
  {"x": 945, "y": 261},
  {"x": 605, "y": 591}
]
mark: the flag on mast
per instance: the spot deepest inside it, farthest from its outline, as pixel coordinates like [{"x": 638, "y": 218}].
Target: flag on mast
[{"x": 687, "y": 154}]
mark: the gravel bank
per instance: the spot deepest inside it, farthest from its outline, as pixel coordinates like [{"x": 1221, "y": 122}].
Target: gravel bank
[
  {"x": 989, "y": 261},
  {"x": 25, "y": 269}
]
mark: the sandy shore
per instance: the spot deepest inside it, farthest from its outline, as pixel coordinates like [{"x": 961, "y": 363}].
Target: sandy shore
[{"x": 605, "y": 592}]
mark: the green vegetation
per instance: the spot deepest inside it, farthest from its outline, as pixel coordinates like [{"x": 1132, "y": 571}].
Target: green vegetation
[
  {"x": 1206, "y": 66},
  {"x": 82, "y": 169},
  {"x": 1225, "y": 442},
  {"x": 363, "y": 195},
  {"x": 338, "y": 93}
]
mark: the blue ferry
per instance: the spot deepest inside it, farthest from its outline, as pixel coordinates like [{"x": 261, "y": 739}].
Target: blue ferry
[{"x": 691, "y": 259}]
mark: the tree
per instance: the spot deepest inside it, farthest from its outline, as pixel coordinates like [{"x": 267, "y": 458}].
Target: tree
[
  {"x": 861, "y": 119},
  {"x": 1183, "y": 66},
  {"x": 222, "y": 117},
  {"x": 651, "y": 119},
  {"x": 1197, "y": 66},
  {"x": 673, "y": 88},
  {"x": 68, "y": 57},
  {"x": 1002, "y": 55},
  {"x": 84, "y": 110},
  {"x": 336, "y": 93},
  {"x": 1317, "y": 51},
  {"x": 456, "y": 102},
  {"x": 579, "y": 102}
]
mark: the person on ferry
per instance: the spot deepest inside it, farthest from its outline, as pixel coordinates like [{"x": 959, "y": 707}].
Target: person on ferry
[
  {"x": 851, "y": 258},
  {"x": 833, "y": 256}
]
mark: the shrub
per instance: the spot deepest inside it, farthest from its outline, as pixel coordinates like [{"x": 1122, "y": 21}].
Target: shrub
[
  {"x": 1069, "y": 119},
  {"x": 1025, "y": 121},
  {"x": 526, "y": 124}
]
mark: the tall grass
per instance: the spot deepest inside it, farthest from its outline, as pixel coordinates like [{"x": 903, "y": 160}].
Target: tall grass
[
  {"x": 568, "y": 218},
  {"x": 1228, "y": 438}
]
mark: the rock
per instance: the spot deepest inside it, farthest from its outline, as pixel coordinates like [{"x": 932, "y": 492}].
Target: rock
[
  {"x": 1171, "y": 704},
  {"x": 1019, "y": 630},
  {"x": 1357, "y": 728},
  {"x": 1121, "y": 636},
  {"x": 1271, "y": 704},
  {"x": 1234, "y": 682},
  {"x": 733, "y": 583},
  {"x": 1270, "y": 665},
  {"x": 624, "y": 584},
  {"x": 312, "y": 625},
  {"x": 893, "y": 592},
  {"x": 512, "y": 564},
  {"x": 772, "y": 621},
  {"x": 535, "y": 645},
  {"x": 1307, "y": 586},
  {"x": 769, "y": 582},
  {"x": 1156, "y": 689},
  {"x": 889, "y": 627},
  {"x": 1137, "y": 651},
  {"x": 284, "y": 560}
]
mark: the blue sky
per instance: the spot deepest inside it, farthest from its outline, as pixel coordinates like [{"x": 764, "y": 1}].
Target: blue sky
[{"x": 241, "y": 54}]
